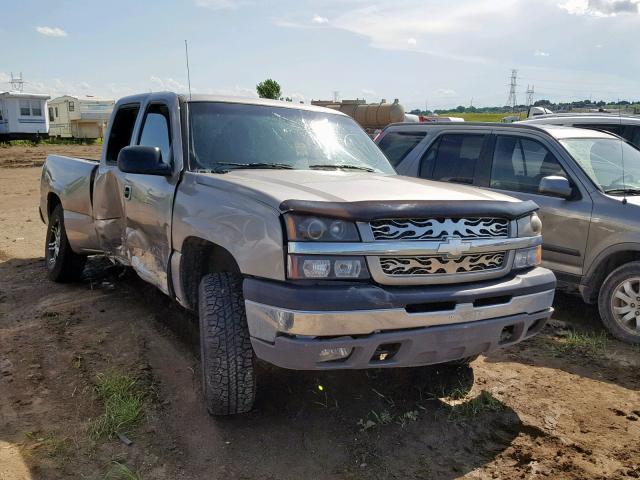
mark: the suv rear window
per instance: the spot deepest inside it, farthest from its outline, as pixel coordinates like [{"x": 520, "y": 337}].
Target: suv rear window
[
  {"x": 397, "y": 145},
  {"x": 453, "y": 158}
]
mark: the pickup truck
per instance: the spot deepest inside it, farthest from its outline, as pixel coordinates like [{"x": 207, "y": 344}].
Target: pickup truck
[{"x": 289, "y": 233}]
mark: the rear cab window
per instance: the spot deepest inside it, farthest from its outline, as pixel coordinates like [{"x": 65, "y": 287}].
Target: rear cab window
[
  {"x": 121, "y": 131},
  {"x": 453, "y": 158},
  {"x": 397, "y": 145}
]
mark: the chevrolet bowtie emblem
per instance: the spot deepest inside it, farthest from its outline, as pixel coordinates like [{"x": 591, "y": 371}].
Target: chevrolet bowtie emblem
[{"x": 453, "y": 247}]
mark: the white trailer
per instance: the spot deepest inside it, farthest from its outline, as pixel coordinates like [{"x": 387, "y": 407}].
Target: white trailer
[
  {"x": 79, "y": 117},
  {"x": 23, "y": 115}
]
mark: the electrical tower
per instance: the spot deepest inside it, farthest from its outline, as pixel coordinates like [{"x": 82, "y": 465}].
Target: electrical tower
[
  {"x": 17, "y": 84},
  {"x": 512, "y": 101},
  {"x": 336, "y": 96},
  {"x": 530, "y": 94}
]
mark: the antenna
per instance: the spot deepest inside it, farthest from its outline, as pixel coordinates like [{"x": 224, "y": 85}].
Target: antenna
[
  {"x": 17, "y": 83},
  {"x": 186, "y": 54}
]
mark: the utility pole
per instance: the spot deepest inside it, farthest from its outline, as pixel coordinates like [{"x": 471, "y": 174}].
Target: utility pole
[
  {"x": 530, "y": 94},
  {"x": 17, "y": 83},
  {"x": 336, "y": 95},
  {"x": 512, "y": 101}
]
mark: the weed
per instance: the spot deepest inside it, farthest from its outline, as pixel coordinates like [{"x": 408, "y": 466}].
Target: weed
[
  {"x": 123, "y": 400},
  {"x": 50, "y": 445},
  {"x": 484, "y": 402},
  {"x": 407, "y": 417},
  {"x": 119, "y": 471},
  {"x": 586, "y": 343}
]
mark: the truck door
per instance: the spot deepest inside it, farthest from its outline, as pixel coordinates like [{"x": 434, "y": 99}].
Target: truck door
[
  {"x": 519, "y": 163},
  {"x": 148, "y": 199}
]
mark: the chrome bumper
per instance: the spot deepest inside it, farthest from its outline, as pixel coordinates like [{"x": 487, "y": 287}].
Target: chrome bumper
[{"x": 267, "y": 322}]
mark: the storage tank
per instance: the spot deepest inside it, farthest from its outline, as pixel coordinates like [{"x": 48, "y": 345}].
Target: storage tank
[{"x": 369, "y": 116}]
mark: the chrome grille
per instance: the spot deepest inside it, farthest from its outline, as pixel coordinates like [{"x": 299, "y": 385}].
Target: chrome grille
[
  {"x": 441, "y": 265},
  {"x": 436, "y": 228}
]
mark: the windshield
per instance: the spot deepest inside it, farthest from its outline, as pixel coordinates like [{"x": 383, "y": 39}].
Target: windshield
[
  {"x": 226, "y": 136},
  {"x": 602, "y": 160}
]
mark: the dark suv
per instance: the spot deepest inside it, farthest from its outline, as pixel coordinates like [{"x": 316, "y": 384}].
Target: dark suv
[{"x": 589, "y": 203}]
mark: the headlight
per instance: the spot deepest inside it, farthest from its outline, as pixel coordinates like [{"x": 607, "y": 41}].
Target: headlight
[
  {"x": 316, "y": 267},
  {"x": 527, "y": 257},
  {"x": 529, "y": 226},
  {"x": 302, "y": 228}
]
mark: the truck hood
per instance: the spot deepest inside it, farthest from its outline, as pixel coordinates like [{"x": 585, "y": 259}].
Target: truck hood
[{"x": 276, "y": 186}]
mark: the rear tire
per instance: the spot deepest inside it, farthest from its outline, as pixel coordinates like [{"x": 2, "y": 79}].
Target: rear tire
[
  {"x": 63, "y": 264},
  {"x": 619, "y": 303},
  {"x": 228, "y": 361}
]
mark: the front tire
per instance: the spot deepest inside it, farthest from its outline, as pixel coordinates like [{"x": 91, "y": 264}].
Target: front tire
[
  {"x": 63, "y": 264},
  {"x": 619, "y": 303},
  {"x": 228, "y": 361}
]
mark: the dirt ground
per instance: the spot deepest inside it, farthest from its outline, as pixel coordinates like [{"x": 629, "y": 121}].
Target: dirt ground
[{"x": 564, "y": 405}]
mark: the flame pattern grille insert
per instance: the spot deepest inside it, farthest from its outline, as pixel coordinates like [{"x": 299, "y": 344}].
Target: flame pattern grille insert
[
  {"x": 440, "y": 265},
  {"x": 437, "y": 228}
]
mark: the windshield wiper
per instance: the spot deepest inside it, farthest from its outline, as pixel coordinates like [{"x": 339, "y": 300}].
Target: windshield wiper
[
  {"x": 623, "y": 191},
  {"x": 338, "y": 167},
  {"x": 240, "y": 166}
]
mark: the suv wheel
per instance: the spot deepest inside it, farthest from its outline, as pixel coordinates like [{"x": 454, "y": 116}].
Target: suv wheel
[
  {"x": 619, "y": 303},
  {"x": 63, "y": 264},
  {"x": 226, "y": 354}
]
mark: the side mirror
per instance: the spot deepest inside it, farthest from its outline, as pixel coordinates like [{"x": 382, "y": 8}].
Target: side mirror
[
  {"x": 144, "y": 160},
  {"x": 557, "y": 186}
]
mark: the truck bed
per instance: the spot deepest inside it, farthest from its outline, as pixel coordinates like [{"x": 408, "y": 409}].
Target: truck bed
[{"x": 71, "y": 179}]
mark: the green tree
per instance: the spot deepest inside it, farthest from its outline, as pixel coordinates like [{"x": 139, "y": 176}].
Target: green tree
[{"x": 269, "y": 89}]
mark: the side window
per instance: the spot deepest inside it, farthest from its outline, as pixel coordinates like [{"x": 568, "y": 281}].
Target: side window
[
  {"x": 36, "y": 108},
  {"x": 121, "y": 131},
  {"x": 156, "y": 131},
  {"x": 453, "y": 158},
  {"x": 25, "y": 108},
  {"x": 397, "y": 145},
  {"x": 633, "y": 136},
  {"x": 607, "y": 127},
  {"x": 519, "y": 164},
  {"x": 51, "y": 114},
  {"x": 72, "y": 107}
]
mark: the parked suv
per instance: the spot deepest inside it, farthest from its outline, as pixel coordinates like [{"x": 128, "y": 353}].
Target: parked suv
[
  {"x": 627, "y": 127},
  {"x": 586, "y": 182}
]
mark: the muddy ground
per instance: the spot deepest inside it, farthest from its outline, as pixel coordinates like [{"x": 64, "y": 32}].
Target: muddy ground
[{"x": 564, "y": 405}]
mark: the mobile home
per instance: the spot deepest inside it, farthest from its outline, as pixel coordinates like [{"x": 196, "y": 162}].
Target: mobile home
[
  {"x": 23, "y": 115},
  {"x": 79, "y": 117}
]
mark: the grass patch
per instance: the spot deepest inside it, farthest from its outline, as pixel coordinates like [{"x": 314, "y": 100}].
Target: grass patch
[
  {"x": 119, "y": 471},
  {"x": 589, "y": 344},
  {"x": 48, "y": 445},
  {"x": 123, "y": 399},
  {"x": 483, "y": 403},
  {"x": 481, "y": 117},
  {"x": 52, "y": 141}
]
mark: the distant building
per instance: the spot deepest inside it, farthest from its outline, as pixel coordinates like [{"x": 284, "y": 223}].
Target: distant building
[
  {"x": 79, "y": 117},
  {"x": 23, "y": 115}
]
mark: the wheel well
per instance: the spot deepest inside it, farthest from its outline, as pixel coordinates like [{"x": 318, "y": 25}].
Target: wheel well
[
  {"x": 52, "y": 202},
  {"x": 199, "y": 258},
  {"x": 605, "y": 267}
]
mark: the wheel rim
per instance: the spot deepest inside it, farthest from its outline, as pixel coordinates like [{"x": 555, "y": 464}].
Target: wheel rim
[
  {"x": 53, "y": 245},
  {"x": 625, "y": 305}
]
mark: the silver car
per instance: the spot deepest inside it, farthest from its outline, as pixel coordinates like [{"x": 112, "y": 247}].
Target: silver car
[{"x": 586, "y": 182}]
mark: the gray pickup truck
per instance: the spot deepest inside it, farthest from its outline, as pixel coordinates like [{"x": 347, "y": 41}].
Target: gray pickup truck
[{"x": 289, "y": 233}]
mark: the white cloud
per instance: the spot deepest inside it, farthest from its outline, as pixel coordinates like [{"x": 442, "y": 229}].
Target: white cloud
[
  {"x": 221, "y": 4},
  {"x": 368, "y": 92},
  {"x": 51, "y": 31},
  {"x": 236, "y": 91},
  {"x": 319, "y": 20},
  {"x": 446, "y": 92},
  {"x": 540, "y": 53},
  {"x": 411, "y": 41},
  {"x": 169, "y": 84},
  {"x": 601, "y": 8}
]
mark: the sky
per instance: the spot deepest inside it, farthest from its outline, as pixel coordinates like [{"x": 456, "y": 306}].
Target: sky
[{"x": 424, "y": 52}]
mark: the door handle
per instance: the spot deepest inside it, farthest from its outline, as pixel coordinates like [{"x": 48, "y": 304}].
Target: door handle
[{"x": 127, "y": 192}]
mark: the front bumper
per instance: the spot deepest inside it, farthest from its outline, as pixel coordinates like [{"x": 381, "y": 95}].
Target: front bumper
[{"x": 291, "y": 326}]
